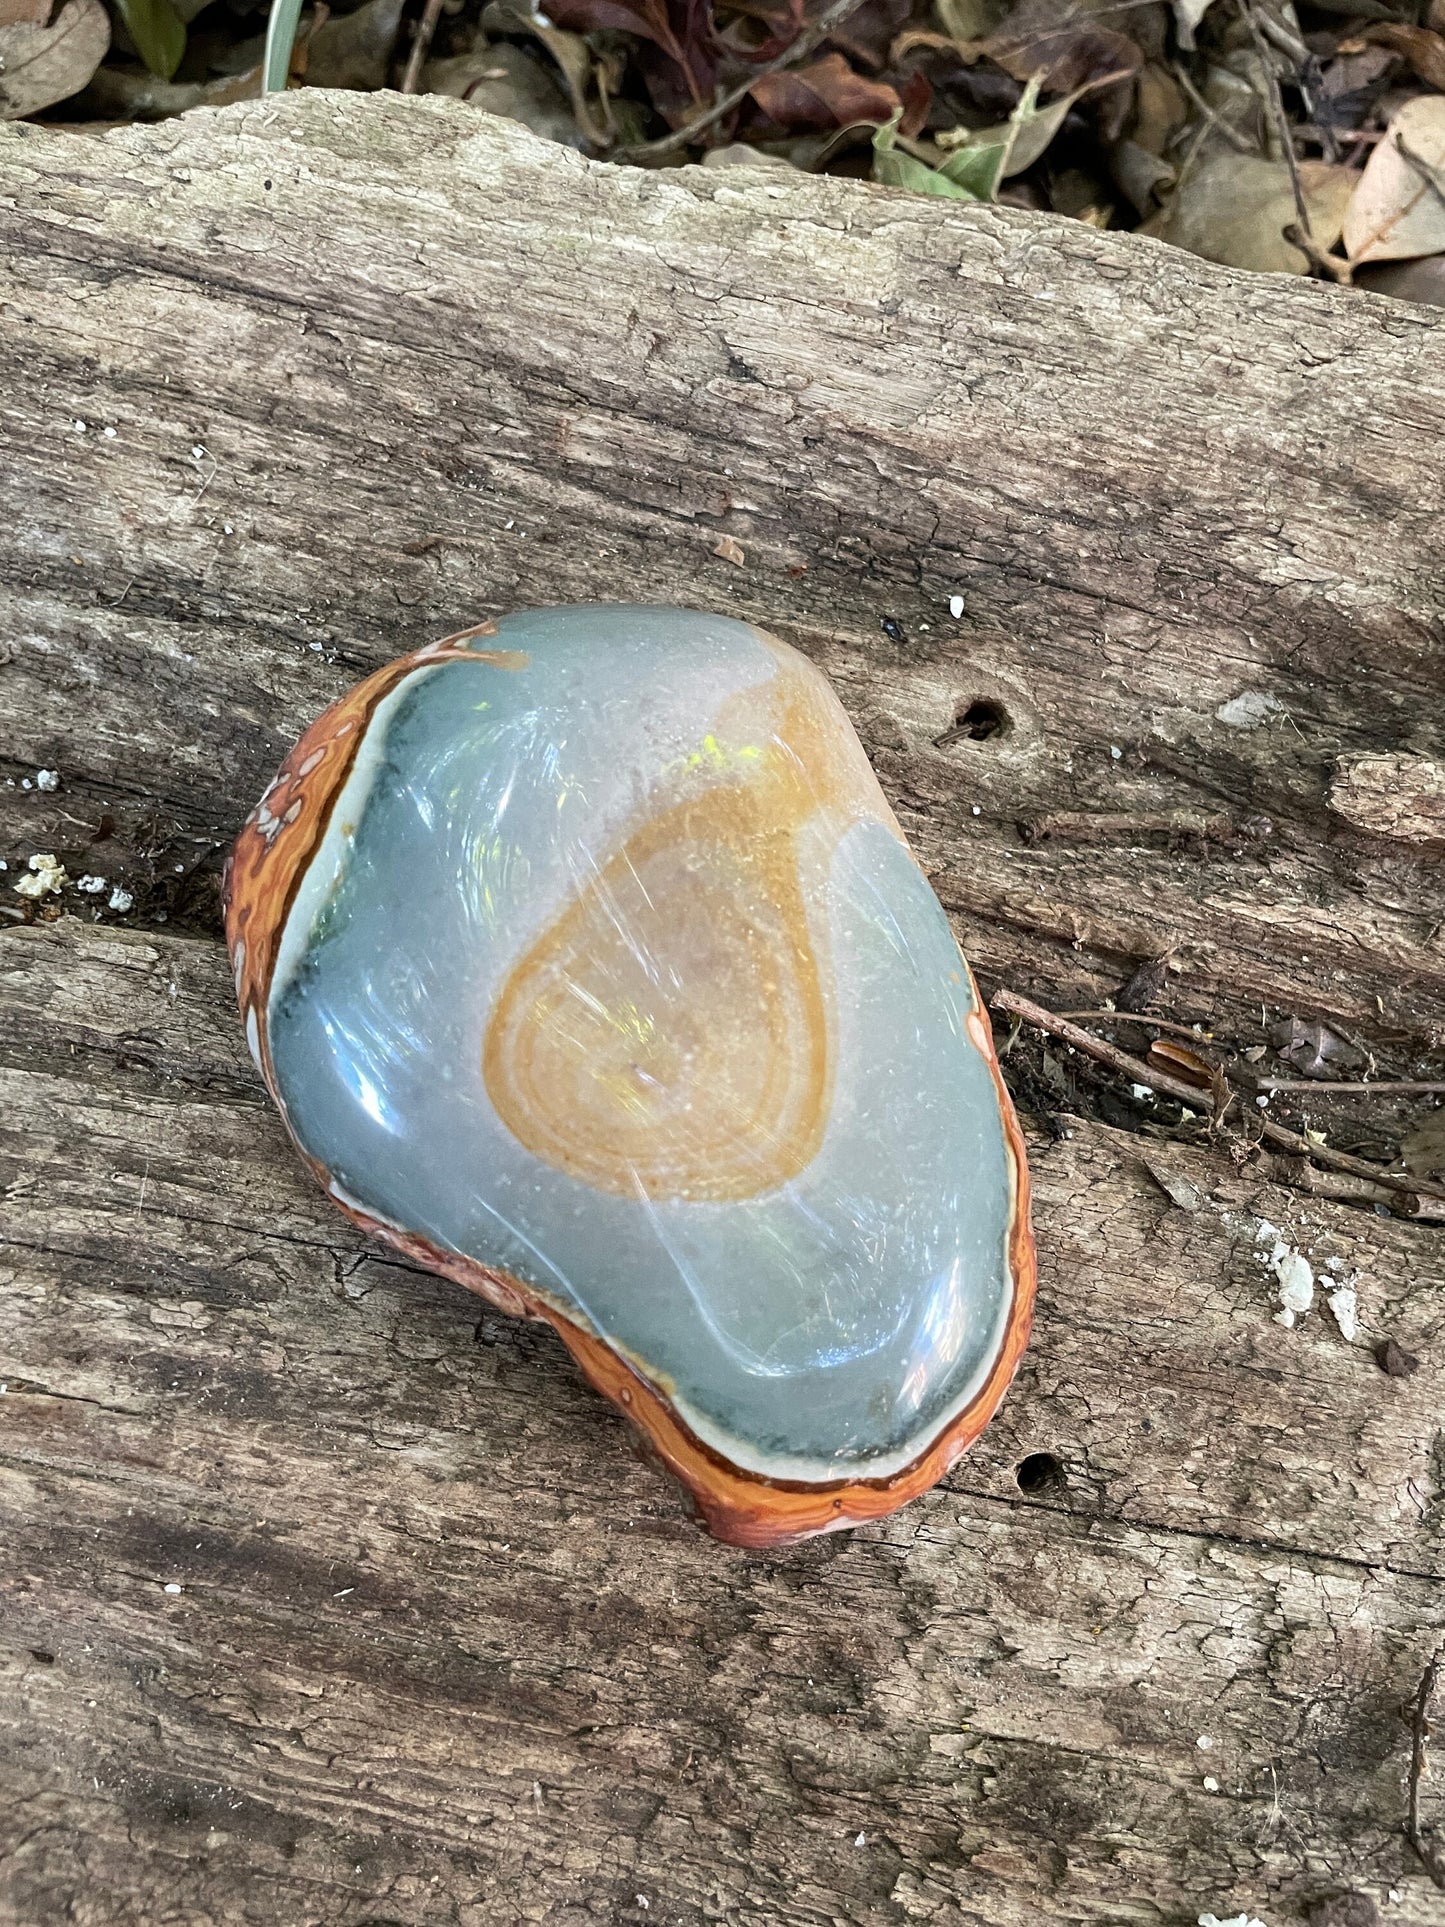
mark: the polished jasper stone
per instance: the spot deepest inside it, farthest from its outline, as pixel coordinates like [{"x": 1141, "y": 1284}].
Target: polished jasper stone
[{"x": 586, "y": 961}]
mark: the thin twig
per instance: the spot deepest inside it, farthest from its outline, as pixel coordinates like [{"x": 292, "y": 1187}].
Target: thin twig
[
  {"x": 421, "y": 45},
  {"x": 1282, "y": 126},
  {"x": 1382, "y": 1087},
  {"x": 1139, "y": 1072},
  {"x": 1137, "y": 1017},
  {"x": 827, "y": 22},
  {"x": 1419, "y": 1767},
  {"x": 1237, "y": 141}
]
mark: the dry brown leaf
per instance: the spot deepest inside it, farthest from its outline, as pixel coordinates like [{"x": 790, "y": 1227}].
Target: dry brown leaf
[
  {"x": 1406, "y": 280},
  {"x": 1160, "y": 109},
  {"x": 504, "y": 80},
  {"x": 826, "y": 93},
  {"x": 1424, "y": 50},
  {"x": 354, "y": 50},
  {"x": 123, "y": 93},
  {"x": 575, "y": 62},
  {"x": 1069, "y": 52},
  {"x": 1234, "y": 209},
  {"x": 1396, "y": 213},
  {"x": 42, "y": 65}
]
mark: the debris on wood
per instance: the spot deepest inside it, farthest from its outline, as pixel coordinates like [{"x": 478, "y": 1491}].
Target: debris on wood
[
  {"x": 46, "y": 878},
  {"x": 1394, "y": 1361}
]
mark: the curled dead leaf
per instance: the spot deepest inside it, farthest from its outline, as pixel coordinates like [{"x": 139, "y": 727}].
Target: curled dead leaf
[
  {"x": 1397, "y": 211},
  {"x": 1181, "y": 1062},
  {"x": 42, "y": 65}
]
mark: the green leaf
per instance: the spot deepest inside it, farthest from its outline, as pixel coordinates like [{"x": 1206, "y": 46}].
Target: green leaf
[
  {"x": 280, "y": 39},
  {"x": 157, "y": 31},
  {"x": 894, "y": 168},
  {"x": 976, "y": 169},
  {"x": 972, "y": 172}
]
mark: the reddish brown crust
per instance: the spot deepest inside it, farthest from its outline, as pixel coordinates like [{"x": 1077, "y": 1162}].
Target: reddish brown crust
[
  {"x": 742, "y": 1508},
  {"x": 280, "y": 835}
]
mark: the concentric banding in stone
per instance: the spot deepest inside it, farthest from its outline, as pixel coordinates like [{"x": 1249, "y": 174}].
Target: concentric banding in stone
[{"x": 588, "y": 964}]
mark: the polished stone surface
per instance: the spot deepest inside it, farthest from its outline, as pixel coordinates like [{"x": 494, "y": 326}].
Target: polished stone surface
[{"x": 612, "y": 972}]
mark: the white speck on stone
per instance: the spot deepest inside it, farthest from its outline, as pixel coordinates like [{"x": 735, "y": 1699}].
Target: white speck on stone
[
  {"x": 1142, "y": 1090},
  {"x": 198, "y": 453},
  {"x": 1204, "y": 1742},
  {"x": 955, "y": 606},
  {"x": 1211, "y": 1785},
  {"x": 1115, "y": 751},
  {"x": 121, "y": 900},
  {"x": 1249, "y": 710},
  {"x": 861, "y": 1841},
  {"x": 46, "y": 878},
  {"x": 92, "y": 886},
  {"x": 976, "y": 810},
  {"x": 227, "y": 529},
  {"x": 1267, "y": 1232},
  {"x": 79, "y": 426},
  {"x": 1262, "y": 1100},
  {"x": 109, "y": 434},
  {"x": 1296, "y": 1279},
  {"x": 1235, "y": 1920},
  {"x": 47, "y": 779},
  {"x": 173, "y": 1587},
  {"x": 1345, "y": 1306}
]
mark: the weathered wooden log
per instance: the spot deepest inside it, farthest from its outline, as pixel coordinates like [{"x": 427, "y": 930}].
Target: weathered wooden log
[{"x": 1122, "y": 564}]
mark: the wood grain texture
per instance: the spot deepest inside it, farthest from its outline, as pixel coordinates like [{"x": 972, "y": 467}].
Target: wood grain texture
[{"x": 444, "y": 1650}]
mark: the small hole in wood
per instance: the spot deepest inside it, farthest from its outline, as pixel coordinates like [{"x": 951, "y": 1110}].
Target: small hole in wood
[
  {"x": 1039, "y": 1472},
  {"x": 980, "y": 720}
]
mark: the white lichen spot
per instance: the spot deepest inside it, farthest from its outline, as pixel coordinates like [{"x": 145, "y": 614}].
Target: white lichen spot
[
  {"x": 1267, "y": 1232},
  {"x": 1115, "y": 751},
  {"x": 955, "y": 607},
  {"x": 1345, "y": 1307},
  {"x": 1296, "y": 1277},
  {"x": 46, "y": 878},
  {"x": 121, "y": 900},
  {"x": 1211, "y": 1785},
  {"x": 47, "y": 779},
  {"x": 173, "y": 1588},
  {"x": 1204, "y": 1742},
  {"x": 1249, "y": 710},
  {"x": 91, "y": 886}
]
